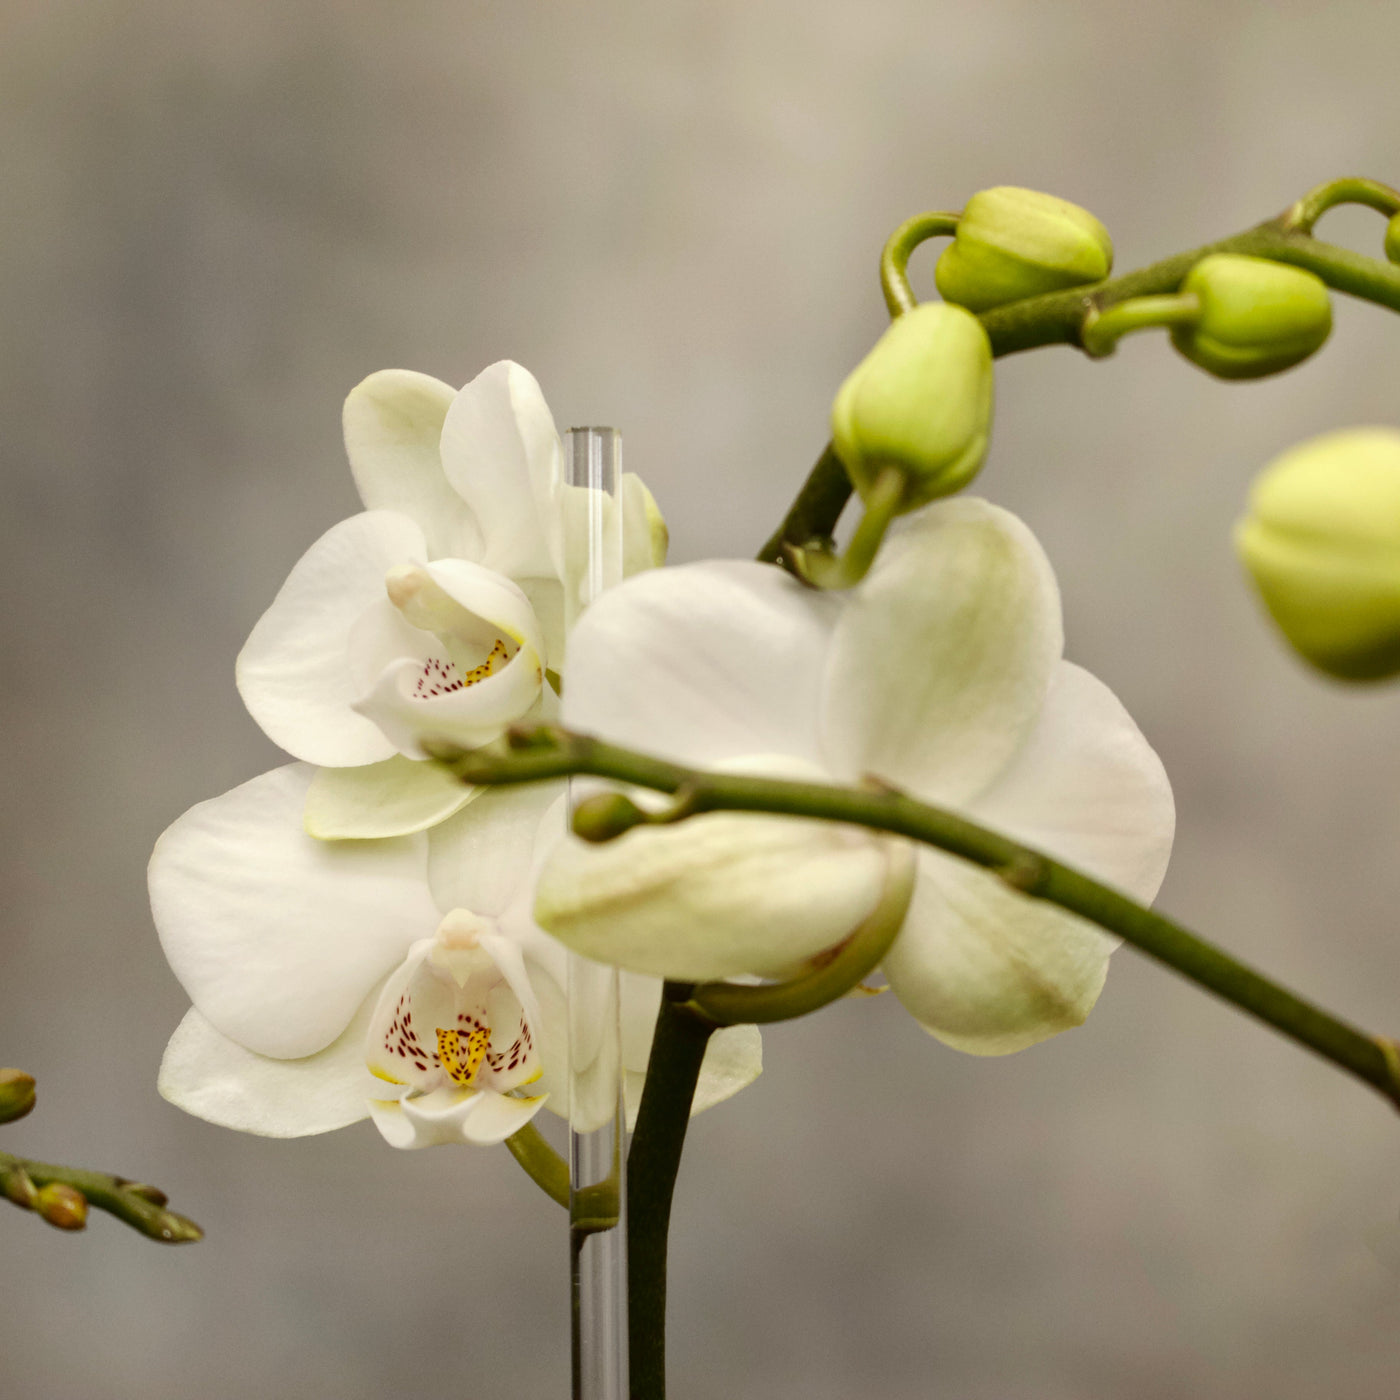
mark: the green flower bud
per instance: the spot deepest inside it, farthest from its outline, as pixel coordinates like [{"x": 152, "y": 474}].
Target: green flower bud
[
  {"x": 1257, "y": 317},
  {"x": 19, "y": 1187},
  {"x": 16, "y": 1094},
  {"x": 64, "y": 1207},
  {"x": 1392, "y": 239},
  {"x": 605, "y": 816},
  {"x": 1014, "y": 243},
  {"x": 1322, "y": 541},
  {"x": 920, "y": 401}
]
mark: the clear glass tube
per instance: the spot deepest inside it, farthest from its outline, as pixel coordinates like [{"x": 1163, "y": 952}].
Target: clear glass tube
[{"x": 591, "y": 506}]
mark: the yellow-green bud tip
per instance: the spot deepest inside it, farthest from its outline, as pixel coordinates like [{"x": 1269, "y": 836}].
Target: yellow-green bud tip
[
  {"x": 1321, "y": 540},
  {"x": 1013, "y": 243},
  {"x": 64, "y": 1207},
  {"x": 1256, "y": 317},
  {"x": 921, "y": 401},
  {"x": 16, "y": 1094},
  {"x": 606, "y": 816},
  {"x": 1392, "y": 239}
]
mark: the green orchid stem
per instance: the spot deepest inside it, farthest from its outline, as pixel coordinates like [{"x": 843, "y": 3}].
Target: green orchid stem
[
  {"x": 545, "y": 1167},
  {"x": 1351, "y": 189},
  {"x": 823, "y": 569},
  {"x": 1060, "y": 318},
  {"x": 1372, "y": 1059},
  {"x": 729, "y": 1004},
  {"x": 814, "y": 513},
  {"x": 1104, "y": 329},
  {"x": 132, "y": 1202},
  {"x": 673, "y": 1070},
  {"x": 894, "y": 259}
]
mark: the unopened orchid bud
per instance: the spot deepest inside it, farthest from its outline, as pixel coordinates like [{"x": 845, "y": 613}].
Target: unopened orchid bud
[
  {"x": 1013, "y": 243},
  {"x": 606, "y": 816},
  {"x": 1256, "y": 317},
  {"x": 920, "y": 401},
  {"x": 1322, "y": 541},
  {"x": 63, "y": 1206},
  {"x": 16, "y": 1094},
  {"x": 1392, "y": 239}
]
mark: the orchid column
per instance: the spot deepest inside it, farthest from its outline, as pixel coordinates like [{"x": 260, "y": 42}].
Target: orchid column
[{"x": 593, "y": 557}]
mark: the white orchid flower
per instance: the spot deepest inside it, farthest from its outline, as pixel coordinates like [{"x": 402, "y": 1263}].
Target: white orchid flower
[
  {"x": 941, "y": 673},
  {"x": 437, "y": 611},
  {"x": 323, "y": 973}
]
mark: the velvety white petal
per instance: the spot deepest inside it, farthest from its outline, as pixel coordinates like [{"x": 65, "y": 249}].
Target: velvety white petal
[
  {"x": 294, "y": 670},
  {"x": 715, "y": 896},
  {"x": 941, "y": 660},
  {"x": 703, "y": 663},
  {"x": 733, "y": 1060},
  {"x": 393, "y": 431},
  {"x": 481, "y": 858},
  {"x": 394, "y": 798},
  {"x": 499, "y": 451},
  {"x": 452, "y": 1115},
  {"x": 278, "y": 937},
  {"x": 988, "y": 970},
  {"x": 214, "y": 1078},
  {"x": 546, "y": 597},
  {"x": 1087, "y": 788},
  {"x": 645, "y": 538}
]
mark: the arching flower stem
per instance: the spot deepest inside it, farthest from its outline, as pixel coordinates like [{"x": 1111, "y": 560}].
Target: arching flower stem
[
  {"x": 1059, "y": 318},
  {"x": 537, "y": 752}
]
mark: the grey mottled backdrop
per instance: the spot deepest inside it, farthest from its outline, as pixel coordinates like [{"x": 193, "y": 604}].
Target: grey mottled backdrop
[{"x": 216, "y": 218}]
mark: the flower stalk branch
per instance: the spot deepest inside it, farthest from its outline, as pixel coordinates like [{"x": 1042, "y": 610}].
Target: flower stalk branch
[
  {"x": 1061, "y": 318},
  {"x": 132, "y": 1202},
  {"x": 533, "y": 752}
]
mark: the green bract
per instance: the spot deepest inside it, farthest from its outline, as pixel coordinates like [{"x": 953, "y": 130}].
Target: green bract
[
  {"x": 1322, "y": 541},
  {"x": 1256, "y": 317},
  {"x": 1013, "y": 243},
  {"x": 920, "y": 401}
]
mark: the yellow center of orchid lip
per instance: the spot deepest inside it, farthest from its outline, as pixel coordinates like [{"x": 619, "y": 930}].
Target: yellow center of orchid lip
[{"x": 461, "y": 1053}]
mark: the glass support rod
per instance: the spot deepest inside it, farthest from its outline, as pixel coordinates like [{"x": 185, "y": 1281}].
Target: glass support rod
[{"x": 592, "y": 512}]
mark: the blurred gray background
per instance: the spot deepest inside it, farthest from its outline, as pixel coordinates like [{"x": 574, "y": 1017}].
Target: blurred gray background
[{"x": 215, "y": 219}]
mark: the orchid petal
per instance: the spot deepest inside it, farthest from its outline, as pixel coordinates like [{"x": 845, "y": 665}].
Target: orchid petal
[
  {"x": 940, "y": 662},
  {"x": 481, "y": 858},
  {"x": 393, "y": 429},
  {"x": 645, "y": 538},
  {"x": 278, "y": 937},
  {"x": 452, "y": 1115},
  {"x": 714, "y": 896},
  {"x": 988, "y": 970},
  {"x": 733, "y": 1060},
  {"x": 214, "y": 1078},
  {"x": 501, "y": 454},
  {"x": 1087, "y": 788},
  {"x": 394, "y": 798},
  {"x": 703, "y": 663},
  {"x": 294, "y": 670}
]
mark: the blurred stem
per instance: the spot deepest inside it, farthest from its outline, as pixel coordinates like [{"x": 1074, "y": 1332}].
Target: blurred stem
[
  {"x": 677, "y": 1052},
  {"x": 1370, "y": 1058},
  {"x": 894, "y": 258},
  {"x": 1350, "y": 189},
  {"x": 132, "y": 1202},
  {"x": 545, "y": 1167}
]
